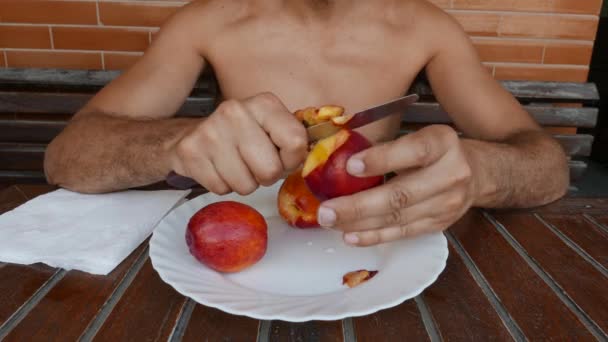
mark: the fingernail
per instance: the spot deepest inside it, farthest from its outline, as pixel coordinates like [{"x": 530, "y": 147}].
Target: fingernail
[
  {"x": 326, "y": 217},
  {"x": 355, "y": 166},
  {"x": 351, "y": 238}
]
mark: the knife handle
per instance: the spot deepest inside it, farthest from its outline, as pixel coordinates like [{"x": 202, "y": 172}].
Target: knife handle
[{"x": 180, "y": 182}]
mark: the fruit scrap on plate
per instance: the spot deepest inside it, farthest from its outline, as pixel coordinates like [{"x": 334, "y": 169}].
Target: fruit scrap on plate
[{"x": 352, "y": 279}]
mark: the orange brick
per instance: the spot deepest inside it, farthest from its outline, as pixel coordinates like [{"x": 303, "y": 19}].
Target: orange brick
[
  {"x": 48, "y": 12},
  {"x": 540, "y": 73},
  {"x": 135, "y": 14},
  {"x": 478, "y": 24},
  {"x": 25, "y": 37},
  {"x": 568, "y": 53},
  {"x": 548, "y": 26},
  {"x": 54, "y": 59},
  {"x": 555, "y": 6},
  {"x": 119, "y": 61},
  {"x": 100, "y": 38},
  {"x": 514, "y": 51}
]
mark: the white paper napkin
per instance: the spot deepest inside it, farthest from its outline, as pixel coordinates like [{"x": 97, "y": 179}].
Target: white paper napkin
[{"x": 90, "y": 233}]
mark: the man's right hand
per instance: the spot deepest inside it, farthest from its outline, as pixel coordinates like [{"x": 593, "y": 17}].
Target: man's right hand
[{"x": 242, "y": 145}]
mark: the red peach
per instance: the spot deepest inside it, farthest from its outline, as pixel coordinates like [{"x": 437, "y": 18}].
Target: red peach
[
  {"x": 227, "y": 236},
  {"x": 325, "y": 167}
]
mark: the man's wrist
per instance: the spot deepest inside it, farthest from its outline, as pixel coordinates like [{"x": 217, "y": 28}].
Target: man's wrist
[
  {"x": 182, "y": 127},
  {"x": 486, "y": 189}
]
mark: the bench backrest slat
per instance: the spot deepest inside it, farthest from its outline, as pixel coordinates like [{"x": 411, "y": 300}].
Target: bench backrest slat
[
  {"x": 61, "y": 103},
  {"x": 35, "y": 105},
  {"x": 60, "y": 80},
  {"x": 536, "y": 91}
]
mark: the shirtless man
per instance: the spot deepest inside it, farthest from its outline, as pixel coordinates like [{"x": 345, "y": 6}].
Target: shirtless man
[{"x": 272, "y": 57}]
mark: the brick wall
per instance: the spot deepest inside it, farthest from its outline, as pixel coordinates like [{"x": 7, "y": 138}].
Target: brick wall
[{"x": 517, "y": 39}]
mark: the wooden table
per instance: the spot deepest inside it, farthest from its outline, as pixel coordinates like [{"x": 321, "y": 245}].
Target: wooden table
[{"x": 537, "y": 275}]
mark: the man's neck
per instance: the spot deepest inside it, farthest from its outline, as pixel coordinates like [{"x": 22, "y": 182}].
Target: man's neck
[{"x": 324, "y": 9}]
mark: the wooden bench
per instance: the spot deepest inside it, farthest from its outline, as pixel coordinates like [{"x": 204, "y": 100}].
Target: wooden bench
[{"x": 35, "y": 105}]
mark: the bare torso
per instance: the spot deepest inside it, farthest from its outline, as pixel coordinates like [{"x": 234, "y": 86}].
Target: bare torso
[{"x": 356, "y": 57}]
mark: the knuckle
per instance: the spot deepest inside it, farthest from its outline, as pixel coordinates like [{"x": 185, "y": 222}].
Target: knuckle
[
  {"x": 298, "y": 140},
  {"x": 405, "y": 231},
  {"x": 423, "y": 152},
  {"x": 271, "y": 173},
  {"x": 267, "y": 98},
  {"x": 447, "y": 133},
  {"x": 219, "y": 188},
  {"x": 463, "y": 174},
  {"x": 231, "y": 109},
  {"x": 186, "y": 148},
  {"x": 207, "y": 135},
  {"x": 399, "y": 199},
  {"x": 246, "y": 189},
  {"x": 394, "y": 218},
  {"x": 357, "y": 211}
]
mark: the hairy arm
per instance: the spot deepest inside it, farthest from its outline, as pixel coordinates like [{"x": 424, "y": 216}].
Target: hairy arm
[
  {"x": 514, "y": 161},
  {"x": 122, "y": 137}
]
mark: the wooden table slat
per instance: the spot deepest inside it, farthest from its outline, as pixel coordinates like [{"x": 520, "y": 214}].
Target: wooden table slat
[
  {"x": 538, "y": 311},
  {"x": 569, "y": 205},
  {"x": 11, "y": 198},
  {"x": 18, "y": 283},
  {"x": 578, "y": 278},
  {"x": 322, "y": 331},
  {"x": 586, "y": 235},
  {"x": 147, "y": 311},
  {"x": 602, "y": 221},
  {"x": 460, "y": 309},
  {"x": 66, "y": 311},
  {"x": 209, "y": 324},
  {"x": 392, "y": 324},
  {"x": 31, "y": 191}
]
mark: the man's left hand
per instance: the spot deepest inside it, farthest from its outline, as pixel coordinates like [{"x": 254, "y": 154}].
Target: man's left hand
[{"x": 433, "y": 188}]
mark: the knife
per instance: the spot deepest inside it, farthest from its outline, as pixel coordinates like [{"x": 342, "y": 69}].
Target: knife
[
  {"x": 362, "y": 118},
  {"x": 326, "y": 129}
]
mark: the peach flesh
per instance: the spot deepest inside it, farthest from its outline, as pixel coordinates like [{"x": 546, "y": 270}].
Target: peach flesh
[{"x": 297, "y": 205}]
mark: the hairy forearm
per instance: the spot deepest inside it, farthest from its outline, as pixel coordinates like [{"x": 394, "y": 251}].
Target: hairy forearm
[
  {"x": 103, "y": 153},
  {"x": 526, "y": 170}
]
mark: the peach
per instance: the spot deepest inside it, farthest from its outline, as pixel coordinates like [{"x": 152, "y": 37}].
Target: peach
[
  {"x": 297, "y": 205},
  {"x": 311, "y": 116},
  {"x": 325, "y": 167},
  {"x": 356, "y": 278},
  {"x": 227, "y": 236}
]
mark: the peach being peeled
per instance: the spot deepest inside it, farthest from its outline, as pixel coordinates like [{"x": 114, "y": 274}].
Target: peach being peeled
[
  {"x": 227, "y": 236},
  {"x": 297, "y": 205},
  {"x": 311, "y": 116},
  {"x": 325, "y": 167}
]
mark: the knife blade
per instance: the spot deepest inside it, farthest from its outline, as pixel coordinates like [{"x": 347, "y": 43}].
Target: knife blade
[{"x": 362, "y": 118}]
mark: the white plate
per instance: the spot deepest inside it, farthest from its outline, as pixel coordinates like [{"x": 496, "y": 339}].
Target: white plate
[{"x": 300, "y": 277}]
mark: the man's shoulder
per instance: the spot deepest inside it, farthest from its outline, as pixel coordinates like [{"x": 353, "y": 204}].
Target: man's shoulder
[
  {"x": 428, "y": 22},
  {"x": 422, "y": 13}
]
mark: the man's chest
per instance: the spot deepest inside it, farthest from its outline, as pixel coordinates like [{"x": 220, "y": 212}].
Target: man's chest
[{"x": 353, "y": 68}]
